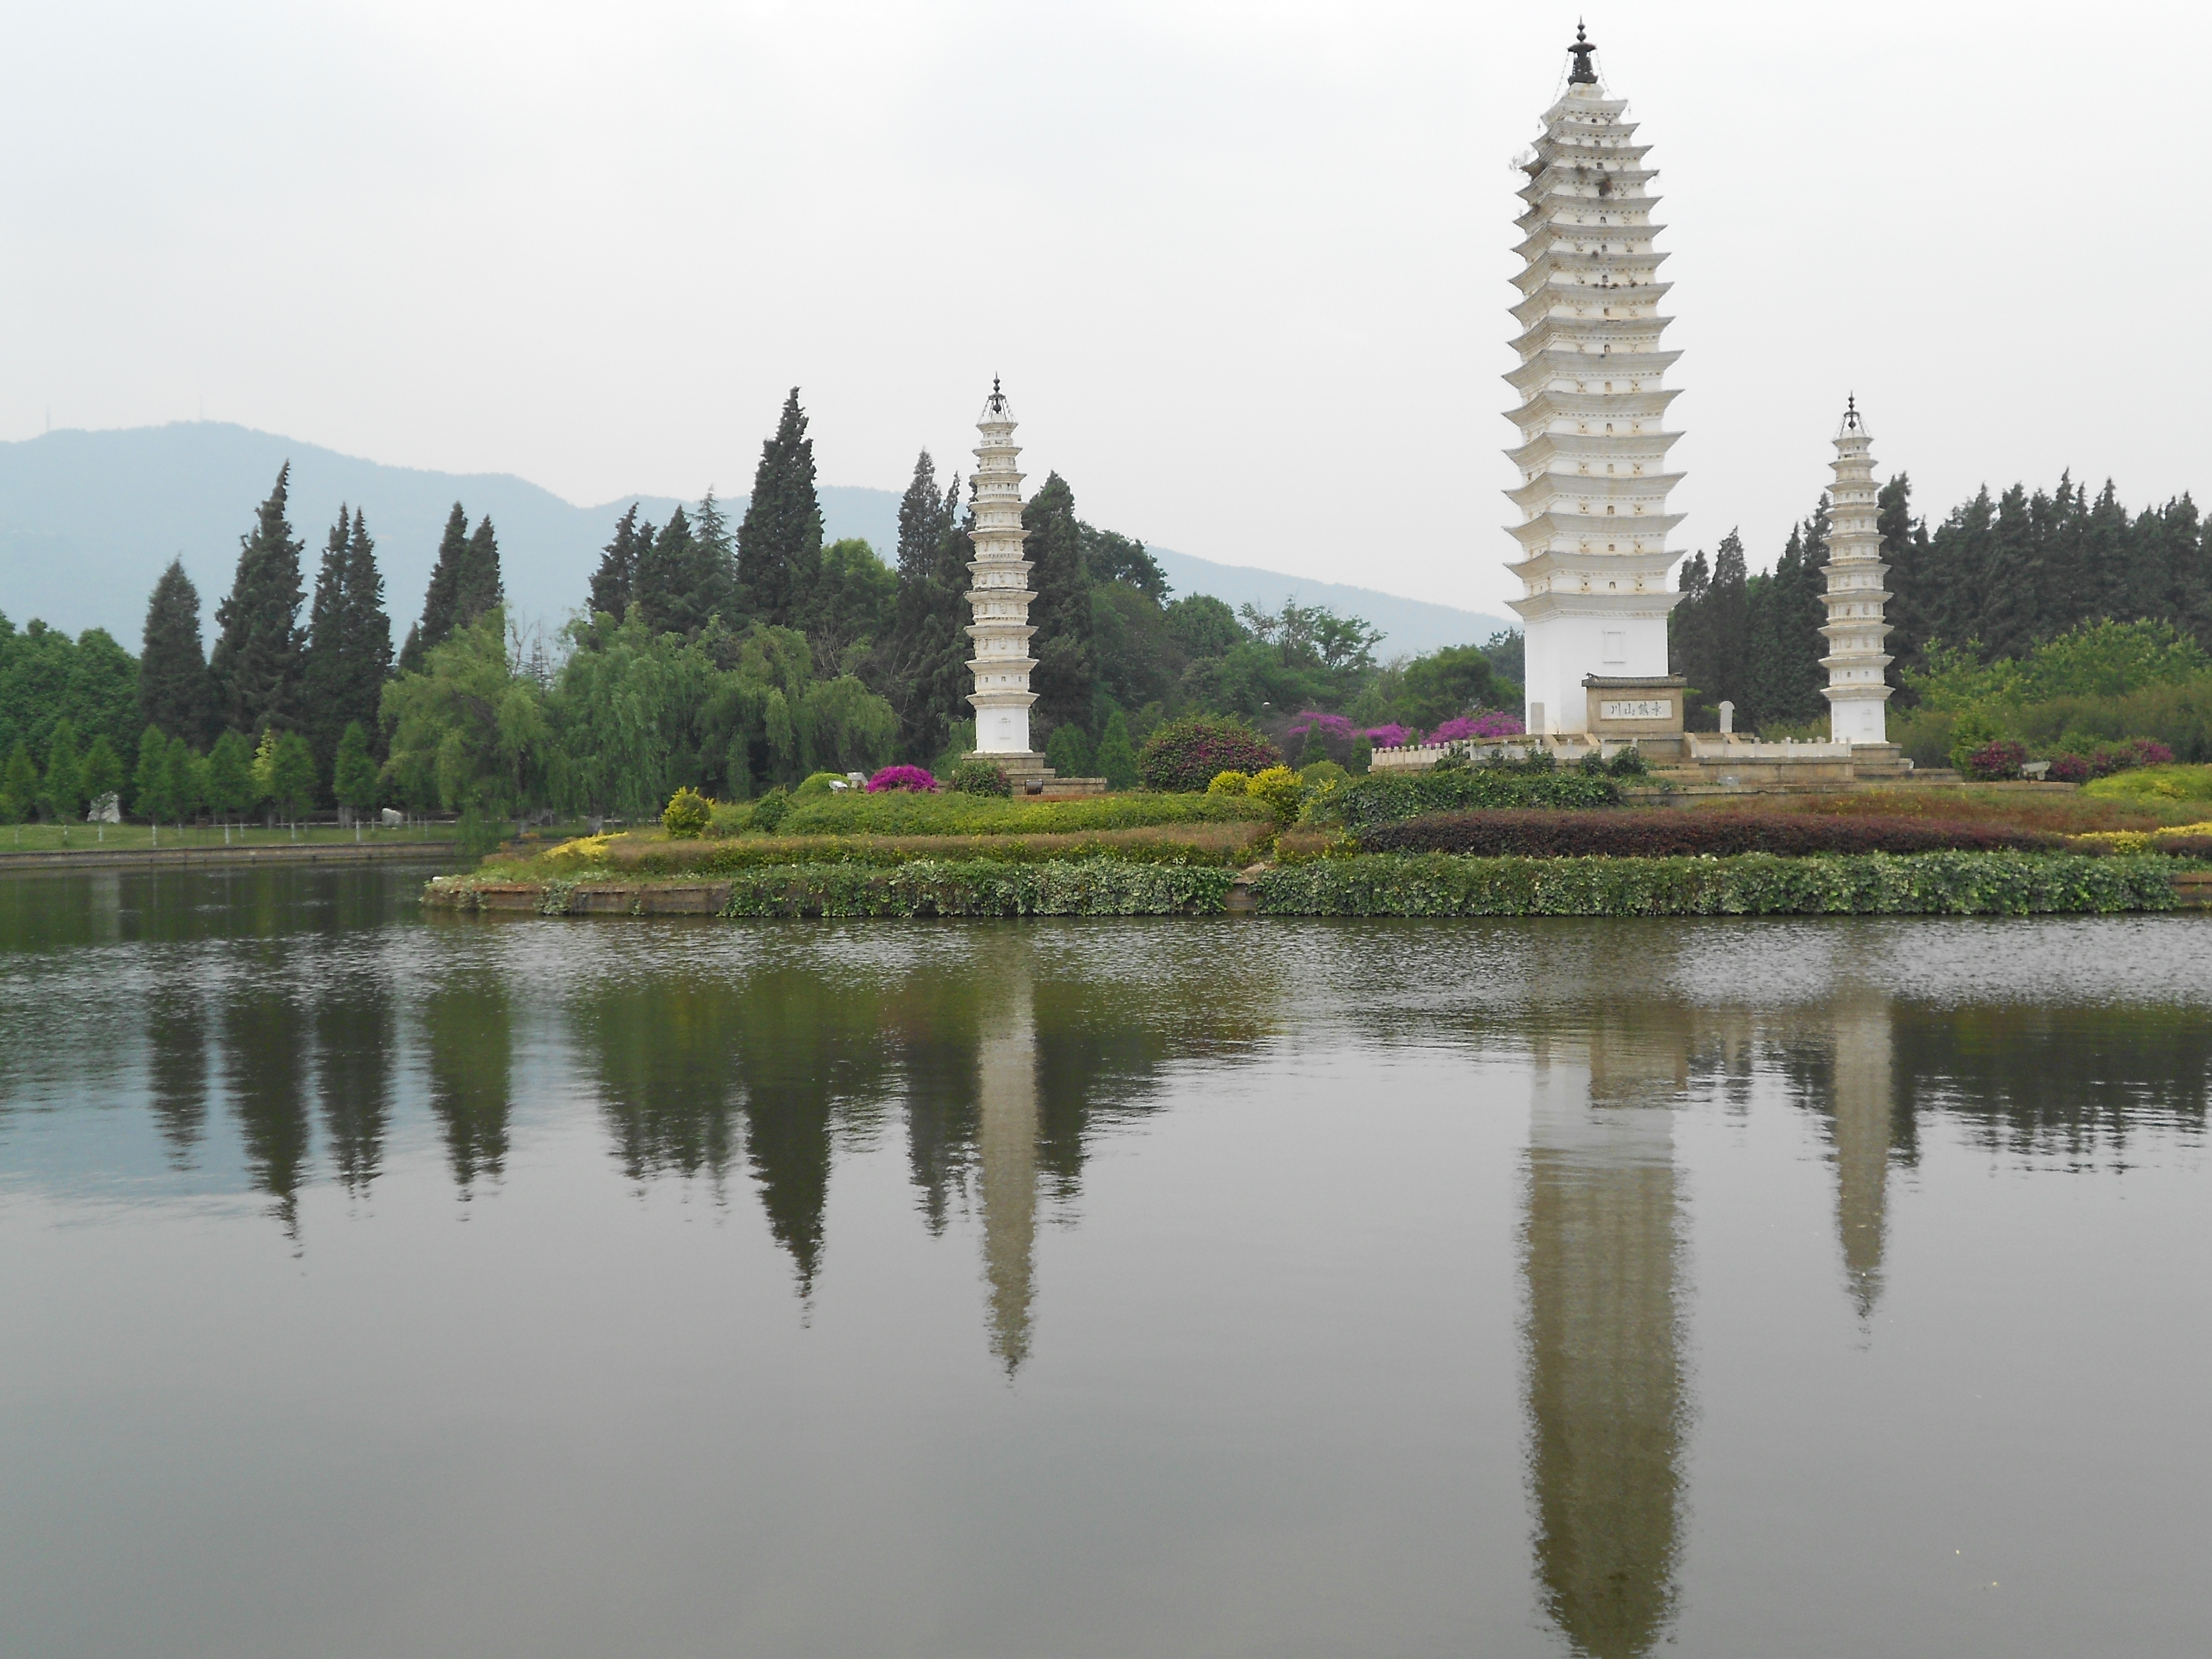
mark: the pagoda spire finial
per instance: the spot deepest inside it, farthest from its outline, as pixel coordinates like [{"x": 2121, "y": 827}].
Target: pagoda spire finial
[{"x": 1583, "y": 75}]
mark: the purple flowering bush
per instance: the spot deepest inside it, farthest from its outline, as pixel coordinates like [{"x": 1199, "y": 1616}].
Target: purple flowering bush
[
  {"x": 1329, "y": 725},
  {"x": 1483, "y": 725},
  {"x": 1187, "y": 754},
  {"x": 2002, "y": 758},
  {"x": 902, "y": 777},
  {"x": 1386, "y": 737}
]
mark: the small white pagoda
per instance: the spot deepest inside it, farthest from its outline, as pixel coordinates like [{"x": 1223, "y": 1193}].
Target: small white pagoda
[
  {"x": 1000, "y": 598},
  {"x": 1857, "y": 692},
  {"x": 1593, "y": 559}
]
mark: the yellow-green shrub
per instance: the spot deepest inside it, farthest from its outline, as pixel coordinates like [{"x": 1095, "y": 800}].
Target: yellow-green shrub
[
  {"x": 1229, "y": 783},
  {"x": 687, "y": 814},
  {"x": 1280, "y": 790}
]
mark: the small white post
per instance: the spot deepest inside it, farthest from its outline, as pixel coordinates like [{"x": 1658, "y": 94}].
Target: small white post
[{"x": 1728, "y": 719}]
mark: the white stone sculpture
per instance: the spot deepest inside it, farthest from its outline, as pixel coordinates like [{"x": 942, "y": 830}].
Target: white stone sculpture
[
  {"x": 1593, "y": 450},
  {"x": 1000, "y": 598},
  {"x": 1857, "y": 692}
]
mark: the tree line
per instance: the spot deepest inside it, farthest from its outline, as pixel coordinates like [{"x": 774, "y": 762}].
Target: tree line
[
  {"x": 730, "y": 657},
  {"x": 1994, "y": 578}
]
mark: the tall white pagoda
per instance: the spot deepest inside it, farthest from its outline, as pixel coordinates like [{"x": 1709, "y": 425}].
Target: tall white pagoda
[
  {"x": 1000, "y": 597},
  {"x": 1592, "y": 451},
  {"x": 1857, "y": 692}
]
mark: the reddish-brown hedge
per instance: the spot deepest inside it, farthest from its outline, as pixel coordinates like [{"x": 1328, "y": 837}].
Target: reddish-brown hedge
[{"x": 1656, "y": 834}]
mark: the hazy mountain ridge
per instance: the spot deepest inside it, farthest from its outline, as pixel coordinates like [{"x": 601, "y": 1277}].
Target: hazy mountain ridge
[{"x": 87, "y": 519}]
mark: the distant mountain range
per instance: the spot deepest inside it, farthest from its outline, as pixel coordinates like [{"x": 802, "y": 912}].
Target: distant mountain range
[{"x": 87, "y": 519}]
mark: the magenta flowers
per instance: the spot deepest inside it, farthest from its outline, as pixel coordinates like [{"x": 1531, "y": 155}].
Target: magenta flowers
[
  {"x": 1488, "y": 723},
  {"x": 902, "y": 777}
]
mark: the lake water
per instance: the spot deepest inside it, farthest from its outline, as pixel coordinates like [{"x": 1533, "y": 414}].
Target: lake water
[{"x": 373, "y": 1284}]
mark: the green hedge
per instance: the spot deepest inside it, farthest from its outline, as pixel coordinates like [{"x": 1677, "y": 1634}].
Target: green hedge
[
  {"x": 906, "y": 814},
  {"x": 981, "y": 887},
  {"x": 1387, "y": 798},
  {"x": 1753, "y": 884},
  {"x": 1194, "y": 844}
]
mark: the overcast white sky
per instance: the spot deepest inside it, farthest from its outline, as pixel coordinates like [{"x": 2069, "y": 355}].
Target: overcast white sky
[{"x": 1244, "y": 265}]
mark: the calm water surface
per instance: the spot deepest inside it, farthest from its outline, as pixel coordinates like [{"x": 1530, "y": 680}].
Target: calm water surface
[{"x": 374, "y": 1284}]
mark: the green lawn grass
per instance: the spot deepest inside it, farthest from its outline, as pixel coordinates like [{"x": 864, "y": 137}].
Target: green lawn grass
[{"x": 138, "y": 837}]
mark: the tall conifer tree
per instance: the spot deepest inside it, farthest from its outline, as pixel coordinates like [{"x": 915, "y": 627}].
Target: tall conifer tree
[
  {"x": 1062, "y": 611},
  {"x": 349, "y": 639},
  {"x": 664, "y": 564},
  {"x": 613, "y": 583},
  {"x": 479, "y": 588},
  {"x": 255, "y": 665},
  {"x": 173, "y": 670},
  {"x": 441, "y": 600},
  {"x": 780, "y": 538}
]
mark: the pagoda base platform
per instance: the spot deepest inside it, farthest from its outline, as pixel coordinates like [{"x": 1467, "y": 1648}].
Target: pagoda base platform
[{"x": 1029, "y": 775}]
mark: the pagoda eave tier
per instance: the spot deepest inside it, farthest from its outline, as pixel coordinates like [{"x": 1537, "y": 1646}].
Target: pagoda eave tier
[
  {"x": 1649, "y": 603},
  {"x": 1552, "y": 364},
  {"x": 1551, "y": 404},
  {"x": 1538, "y": 303},
  {"x": 1557, "y": 326},
  {"x": 1556, "y": 275},
  {"x": 1623, "y": 490},
  {"x": 1546, "y": 564},
  {"x": 1645, "y": 446},
  {"x": 1569, "y": 171},
  {"x": 1539, "y": 533},
  {"x": 1616, "y": 241},
  {"x": 1614, "y": 142}
]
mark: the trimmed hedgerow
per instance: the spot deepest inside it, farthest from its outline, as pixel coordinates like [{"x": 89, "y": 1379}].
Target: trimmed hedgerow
[
  {"x": 953, "y": 814},
  {"x": 1187, "y": 754},
  {"x": 1513, "y": 833},
  {"x": 981, "y": 887},
  {"x": 1753, "y": 884},
  {"x": 1178, "y": 843},
  {"x": 1388, "y": 798}
]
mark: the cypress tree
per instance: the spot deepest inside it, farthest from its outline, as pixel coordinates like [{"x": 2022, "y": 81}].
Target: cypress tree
[
  {"x": 441, "y": 600},
  {"x": 292, "y": 776},
  {"x": 924, "y": 655},
  {"x": 353, "y": 774},
  {"x": 663, "y": 563},
  {"x": 150, "y": 783},
  {"x": 1783, "y": 674},
  {"x": 368, "y": 627},
  {"x": 173, "y": 670},
  {"x": 478, "y": 588},
  {"x": 1904, "y": 549},
  {"x": 180, "y": 778},
  {"x": 1728, "y": 627},
  {"x": 1061, "y": 610},
  {"x": 103, "y": 771},
  {"x": 2013, "y": 579},
  {"x": 780, "y": 538},
  {"x": 230, "y": 775},
  {"x": 1689, "y": 647},
  {"x": 1116, "y": 759},
  {"x": 348, "y": 638},
  {"x": 612, "y": 582},
  {"x": 1069, "y": 753},
  {"x": 19, "y": 784},
  {"x": 61, "y": 792},
  {"x": 713, "y": 579},
  {"x": 255, "y": 665}
]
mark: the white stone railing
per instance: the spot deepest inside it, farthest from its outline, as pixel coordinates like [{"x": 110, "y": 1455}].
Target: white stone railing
[
  {"x": 1705, "y": 747},
  {"x": 1420, "y": 756}
]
